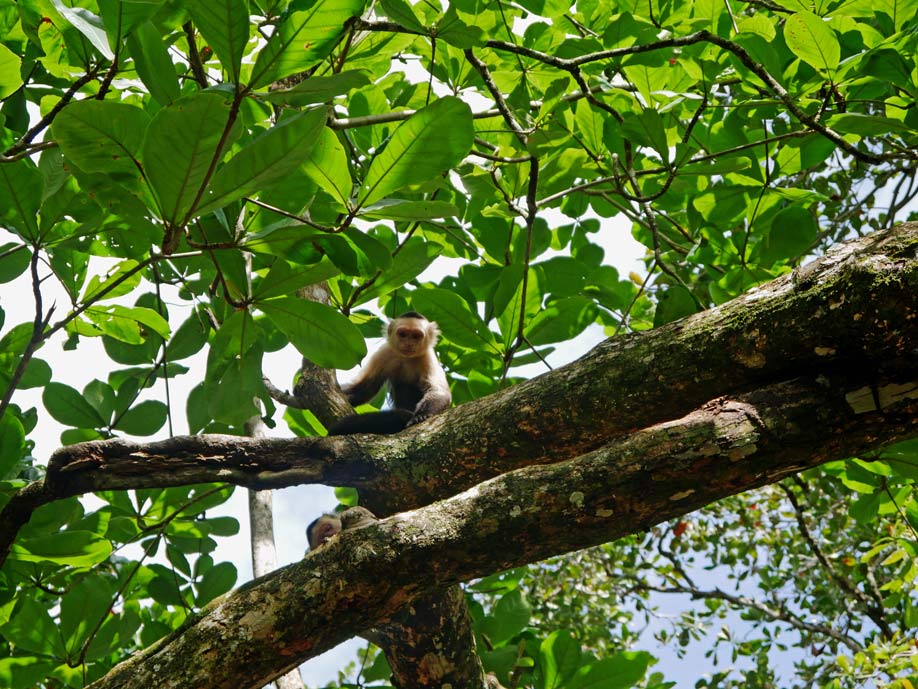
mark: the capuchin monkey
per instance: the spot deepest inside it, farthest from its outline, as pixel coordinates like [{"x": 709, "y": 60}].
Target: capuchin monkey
[
  {"x": 417, "y": 383},
  {"x": 330, "y": 524},
  {"x": 322, "y": 528}
]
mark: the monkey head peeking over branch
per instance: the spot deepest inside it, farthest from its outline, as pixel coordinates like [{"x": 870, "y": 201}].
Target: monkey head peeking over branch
[
  {"x": 330, "y": 524},
  {"x": 417, "y": 384}
]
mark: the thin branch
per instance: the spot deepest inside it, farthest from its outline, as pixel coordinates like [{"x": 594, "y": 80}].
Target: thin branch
[
  {"x": 496, "y": 94},
  {"x": 874, "y": 609}
]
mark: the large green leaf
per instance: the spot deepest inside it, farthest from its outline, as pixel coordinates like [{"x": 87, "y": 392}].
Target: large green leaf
[
  {"x": 396, "y": 209},
  {"x": 101, "y": 136},
  {"x": 225, "y": 25},
  {"x": 453, "y": 315},
  {"x": 215, "y": 582},
  {"x": 31, "y": 629},
  {"x": 83, "y": 608},
  {"x": 20, "y": 197},
  {"x": 432, "y": 140},
  {"x": 559, "y": 658},
  {"x": 74, "y": 548},
  {"x": 23, "y": 672},
  {"x": 319, "y": 89},
  {"x": 12, "y": 437},
  {"x": 413, "y": 259},
  {"x": 327, "y": 167},
  {"x": 810, "y": 38},
  {"x": 153, "y": 64},
  {"x": 69, "y": 407},
  {"x": 88, "y": 24},
  {"x": 620, "y": 671},
  {"x": 183, "y": 143},
  {"x": 126, "y": 15},
  {"x": 14, "y": 260},
  {"x": 303, "y": 39},
  {"x": 320, "y": 333},
  {"x": 10, "y": 78},
  {"x": 143, "y": 419},
  {"x": 561, "y": 320},
  {"x": 268, "y": 159},
  {"x": 511, "y": 615}
]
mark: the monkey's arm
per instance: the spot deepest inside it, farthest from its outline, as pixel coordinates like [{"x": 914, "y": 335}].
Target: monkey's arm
[
  {"x": 435, "y": 399},
  {"x": 370, "y": 379}
]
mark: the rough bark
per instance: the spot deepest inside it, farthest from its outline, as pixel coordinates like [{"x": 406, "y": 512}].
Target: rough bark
[{"x": 366, "y": 576}]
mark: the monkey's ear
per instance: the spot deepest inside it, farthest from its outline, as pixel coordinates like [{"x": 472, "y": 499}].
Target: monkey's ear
[{"x": 433, "y": 333}]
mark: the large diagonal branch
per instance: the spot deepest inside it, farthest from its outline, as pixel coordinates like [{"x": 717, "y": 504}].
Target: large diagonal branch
[
  {"x": 855, "y": 309},
  {"x": 364, "y": 577}
]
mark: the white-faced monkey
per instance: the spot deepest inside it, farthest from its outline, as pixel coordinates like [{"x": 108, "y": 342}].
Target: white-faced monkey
[
  {"x": 408, "y": 363},
  {"x": 322, "y": 528}
]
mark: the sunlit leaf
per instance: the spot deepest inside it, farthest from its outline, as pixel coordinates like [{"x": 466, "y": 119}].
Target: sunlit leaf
[
  {"x": 302, "y": 39},
  {"x": 429, "y": 142},
  {"x": 225, "y": 26},
  {"x": 319, "y": 333},
  {"x": 811, "y": 39}
]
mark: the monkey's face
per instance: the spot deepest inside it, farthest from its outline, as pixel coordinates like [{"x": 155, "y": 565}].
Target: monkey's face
[
  {"x": 410, "y": 337},
  {"x": 325, "y": 528}
]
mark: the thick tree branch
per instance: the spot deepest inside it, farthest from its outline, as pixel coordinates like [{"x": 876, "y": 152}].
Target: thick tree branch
[
  {"x": 854, "y": 310},
  {"x": 363, "y": 577}
]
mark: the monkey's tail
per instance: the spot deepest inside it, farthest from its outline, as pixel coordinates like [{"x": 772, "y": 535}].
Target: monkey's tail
[{"x": 378, "y": 422}]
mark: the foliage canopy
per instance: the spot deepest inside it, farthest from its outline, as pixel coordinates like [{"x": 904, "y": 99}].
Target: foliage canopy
[{"x": 180, "y": 168}]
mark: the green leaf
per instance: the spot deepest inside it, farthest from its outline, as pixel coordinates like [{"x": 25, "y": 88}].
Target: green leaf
[
  {"x": 216, "y": 581},
  {"x": 68, "y": 407},
  {"x": 303, "y": 39},
  {"x": 327, "y": 167},
  {"x": 73, "y": 548},
  {"x": 102, "y": 136},
  {"x": 401, "y": 13},
  {"x": 12, "y": 438},
  {"x": 319, "y": 333},
  {"x": 10, "y": 66},
  {"x": 620, "y": 671},
  {"x": 812, "y": 40},
  {"x": 432, "y": 140},
  {"x": 23, "y": 672},
  {"x": 118, "y": 281},
  {"x": 181, "y": 143},
  {"x": 37, "y": 375},
  {"x": 153, "y": 64},
  {"x": 268, "y": 159},
  {"x": 14, "y": 260},
  {"x": 82, "y": 608},
  {"x": 225, "y": 25},
  {"x": 115, "y": 315},
  {"x": 511, "y": 616},
  {"x": 648, "y": 128},
  {"x": 32, "y": 630},
  {"x": 20, "y": 196},
  {"x": 88, "y": 24},
  {"x": 794, "y": 230},
  {"x": 189, "y": 338},
  {"x": 126, "y": 15},
  {"x": 282, "y": 279},
  {"x": 396, "y": 209},
  {"x": 867, "y": 125},
  {"x": 414, "y": 258},
  {"x": 561, "y": 320},
  {"x": 452, "y": 313},
  {"x": 559, "y": 658},
  {"x": 143, "y": 419},
  {"x": 319, "y": 89}
]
